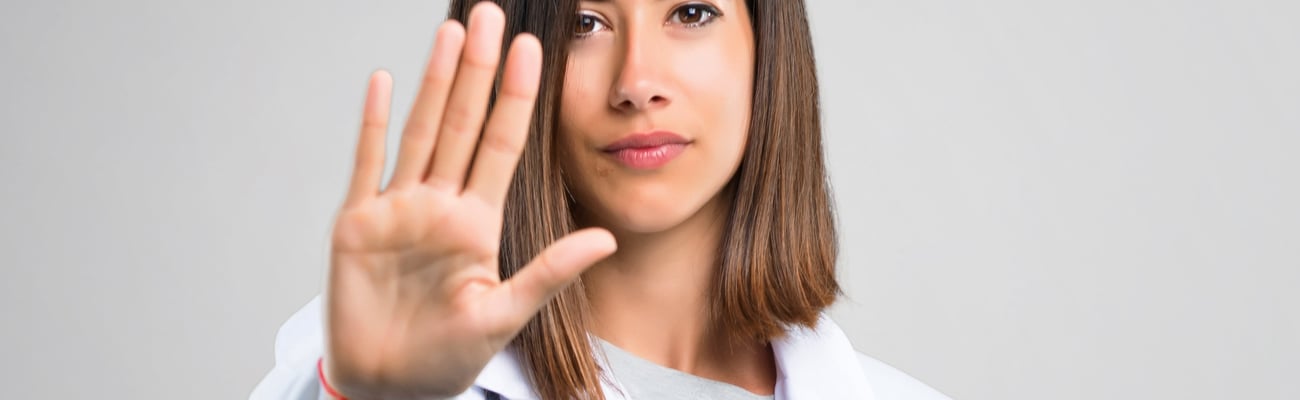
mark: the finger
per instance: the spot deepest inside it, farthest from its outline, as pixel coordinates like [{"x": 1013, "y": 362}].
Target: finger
[
  {"x": 507, "y": 129},
  {"x": 426, "y": 113},
  {"x": 463, "y": 118},
  {"x": 369, "y": 168},
  {"x": 552, "y": 270}
]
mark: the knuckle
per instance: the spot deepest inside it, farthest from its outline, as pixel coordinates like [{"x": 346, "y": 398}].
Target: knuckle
[
  {"x": 437, "y": 78},
  {"x": 418, "y": 128},
  {"x": 482, "y": 61},
  {"x": 546, "y": 270},
  {"x": 515, "y": 94},
  {"x": 373, "y": 124},
  {"x": 459, "y": 120},
  {"x": 500, "y": 142},
  {"x": 362, "y": 163}
]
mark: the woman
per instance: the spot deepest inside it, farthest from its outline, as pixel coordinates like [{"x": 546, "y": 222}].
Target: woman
[{"x": 667, "y": 223}]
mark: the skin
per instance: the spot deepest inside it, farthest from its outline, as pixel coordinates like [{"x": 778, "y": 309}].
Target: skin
[
  {"x": 413, "y": 266},
  {"x": 639, "y": 66}
]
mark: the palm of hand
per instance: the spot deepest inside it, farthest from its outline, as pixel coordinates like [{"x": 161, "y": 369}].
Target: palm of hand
[{"x": 414, "y": 303}]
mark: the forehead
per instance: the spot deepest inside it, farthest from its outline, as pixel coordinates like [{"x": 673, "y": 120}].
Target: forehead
[
  {"x": 623, "y": 2},
  {"x": 627, "y": 3}
]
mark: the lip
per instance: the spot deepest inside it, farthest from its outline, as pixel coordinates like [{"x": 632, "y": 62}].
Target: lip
[{"x": 649, "y": 150}]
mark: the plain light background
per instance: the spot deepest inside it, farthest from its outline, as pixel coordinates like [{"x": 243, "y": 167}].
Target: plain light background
[{"x": 1038, "y": 199}]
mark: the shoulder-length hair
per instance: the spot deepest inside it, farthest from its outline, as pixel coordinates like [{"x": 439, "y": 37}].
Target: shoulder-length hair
[{"x": 776, "y": 262}]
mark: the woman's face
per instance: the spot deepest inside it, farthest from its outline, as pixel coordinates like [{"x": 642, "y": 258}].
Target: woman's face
[{"x": 655, "y": 108}]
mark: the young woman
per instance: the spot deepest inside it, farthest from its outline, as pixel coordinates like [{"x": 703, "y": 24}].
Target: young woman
[{"x": 635, "y": 207}]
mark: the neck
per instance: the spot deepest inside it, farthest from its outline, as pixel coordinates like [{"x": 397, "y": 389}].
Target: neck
[
  {"x": 652, "y": 296},
  {"x": 652, "y": 299}
]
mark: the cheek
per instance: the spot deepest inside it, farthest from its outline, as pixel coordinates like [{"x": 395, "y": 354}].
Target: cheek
[
  {"x": 578, "y": 95},
  {"x": 581, "y": 105},
  {"x": 714, "y": 75},
  {"x": 582, "y": 80},
  {"x": 717, "y": 83}
]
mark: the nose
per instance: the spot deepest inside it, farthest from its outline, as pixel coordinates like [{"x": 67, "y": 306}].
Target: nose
[{"x": 640, "y": 84}]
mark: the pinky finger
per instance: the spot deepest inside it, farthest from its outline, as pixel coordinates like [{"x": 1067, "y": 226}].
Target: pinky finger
[
  {"x": 369, "y": 148},
  {"x": 369, "y": 168}
]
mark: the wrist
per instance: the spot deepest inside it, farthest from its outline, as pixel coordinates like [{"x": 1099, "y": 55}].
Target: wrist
[{"x": 325, "y": 382}]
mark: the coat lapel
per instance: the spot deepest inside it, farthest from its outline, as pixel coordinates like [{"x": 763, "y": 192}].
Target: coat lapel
[
  {"x": 819, "y": 364},
  {"x": 505, "y": 375}
]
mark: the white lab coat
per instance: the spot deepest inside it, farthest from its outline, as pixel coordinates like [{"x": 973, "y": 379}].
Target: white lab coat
[{"x": 811, "y": 364}]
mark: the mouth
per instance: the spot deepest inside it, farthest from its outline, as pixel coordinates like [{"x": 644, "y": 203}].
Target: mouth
[{"x": 647, "y": 150}]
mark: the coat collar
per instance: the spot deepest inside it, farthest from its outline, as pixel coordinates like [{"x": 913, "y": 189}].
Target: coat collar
[
  {"x": 819, "y": 364},
  {"x": 504, "y": 374},
  {"x": 811, "y": 364}
]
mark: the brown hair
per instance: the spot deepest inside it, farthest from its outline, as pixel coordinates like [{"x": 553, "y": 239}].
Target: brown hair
[{"x": 776, "y": 264}]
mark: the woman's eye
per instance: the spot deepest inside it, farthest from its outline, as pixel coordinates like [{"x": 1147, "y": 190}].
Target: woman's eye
[
  {"x": 694, "y": 15},
  {"x": 587, "y": 25}
]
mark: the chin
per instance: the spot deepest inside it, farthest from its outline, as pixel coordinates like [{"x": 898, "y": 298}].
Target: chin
[
  {"x": 645, "y": 210},
  {"x": 647, "y": 221}
]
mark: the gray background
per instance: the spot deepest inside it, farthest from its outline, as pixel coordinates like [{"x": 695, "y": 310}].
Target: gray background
[{"x": 1038, "y": 199}]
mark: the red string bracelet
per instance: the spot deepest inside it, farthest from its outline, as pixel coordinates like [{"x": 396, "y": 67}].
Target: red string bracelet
[{"x": 320, "y": 369}]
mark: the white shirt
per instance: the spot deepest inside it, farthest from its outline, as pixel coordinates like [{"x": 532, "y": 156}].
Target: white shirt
[{"x": 811, "y": 364}]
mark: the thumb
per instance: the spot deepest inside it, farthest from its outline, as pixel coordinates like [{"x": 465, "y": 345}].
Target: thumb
[{"x": 555, "y": 268}]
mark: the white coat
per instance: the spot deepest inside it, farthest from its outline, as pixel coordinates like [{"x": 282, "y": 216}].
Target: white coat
[{"x": 811, "y": 364}]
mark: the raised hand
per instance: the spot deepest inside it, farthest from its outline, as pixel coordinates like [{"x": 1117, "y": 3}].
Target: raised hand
[{"x": 415, "y": 305}]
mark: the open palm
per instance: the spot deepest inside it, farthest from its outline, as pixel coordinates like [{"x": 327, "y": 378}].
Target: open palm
[{"x": 415, "y": 305}]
